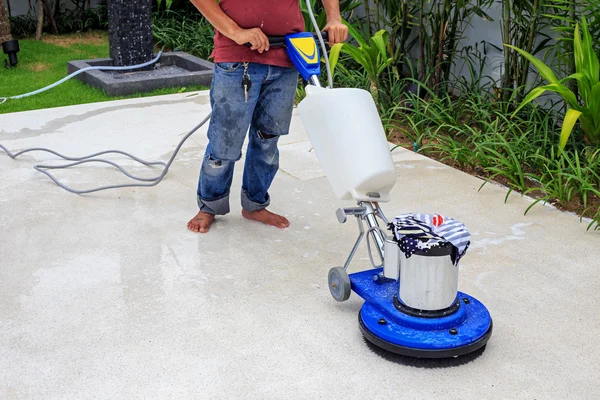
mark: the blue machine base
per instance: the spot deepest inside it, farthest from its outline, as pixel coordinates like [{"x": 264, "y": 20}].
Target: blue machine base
[{"x": 382, "y": 324}]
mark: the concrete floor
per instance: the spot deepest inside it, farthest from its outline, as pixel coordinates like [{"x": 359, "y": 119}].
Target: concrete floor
[{"x": 109, "y": 296}]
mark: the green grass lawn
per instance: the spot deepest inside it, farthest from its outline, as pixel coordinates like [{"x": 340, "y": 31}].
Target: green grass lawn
[{"x": 42, "y": 63}]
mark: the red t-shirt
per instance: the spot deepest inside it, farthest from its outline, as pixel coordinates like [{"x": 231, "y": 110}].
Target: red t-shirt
[{"x": 273, "y": 17}]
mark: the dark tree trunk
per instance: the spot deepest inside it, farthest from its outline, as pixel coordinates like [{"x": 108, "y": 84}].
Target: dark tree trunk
[
  {"x": 40, "y": 23},
  {"x": 5, "y": 35},
  {"x": 48, "y": 11},
  {"x": 130, "y": 32}
]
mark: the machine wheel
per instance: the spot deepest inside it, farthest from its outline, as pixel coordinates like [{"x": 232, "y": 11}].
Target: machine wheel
[{"x": 339, "y": 284}]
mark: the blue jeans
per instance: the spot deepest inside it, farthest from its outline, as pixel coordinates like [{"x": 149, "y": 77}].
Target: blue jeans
[{"x": 265, "y": 116}]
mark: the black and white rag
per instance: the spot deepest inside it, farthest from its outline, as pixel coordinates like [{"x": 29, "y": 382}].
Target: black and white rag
[{"x": 423, "y": 231}]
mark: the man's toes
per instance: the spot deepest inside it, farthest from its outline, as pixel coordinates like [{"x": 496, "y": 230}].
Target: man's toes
[{"x": 283, "y": 223}]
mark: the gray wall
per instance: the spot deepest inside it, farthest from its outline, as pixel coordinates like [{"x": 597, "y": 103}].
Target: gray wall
[
  {"x": 480, "y": 31},
  {"x": 22, "y": 7},
  {"x": 476, "y": 33}
]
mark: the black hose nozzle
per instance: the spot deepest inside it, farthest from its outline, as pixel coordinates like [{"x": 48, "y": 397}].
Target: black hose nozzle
[{"x": 11, "y": 48}]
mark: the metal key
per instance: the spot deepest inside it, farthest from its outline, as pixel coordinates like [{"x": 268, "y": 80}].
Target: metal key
[{"x": 246, "y": 82}]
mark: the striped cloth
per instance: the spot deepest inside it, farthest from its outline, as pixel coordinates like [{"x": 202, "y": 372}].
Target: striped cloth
[{"x": 423, "y": 231}]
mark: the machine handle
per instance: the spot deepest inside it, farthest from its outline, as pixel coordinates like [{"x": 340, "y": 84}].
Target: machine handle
[
  {"x": 341, "y": 213},
  {"x": 279, "y": 41}
]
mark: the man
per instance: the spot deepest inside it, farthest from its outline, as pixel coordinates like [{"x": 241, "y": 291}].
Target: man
[{"x": 252, "y": 88}]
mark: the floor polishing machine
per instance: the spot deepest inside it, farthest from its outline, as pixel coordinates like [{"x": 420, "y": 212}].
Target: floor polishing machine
[{"x": 412, "y": 304}]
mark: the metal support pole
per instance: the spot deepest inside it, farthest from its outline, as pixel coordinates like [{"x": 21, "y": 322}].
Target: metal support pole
[
  {"x": 360, "y": 236},
  {"x": 314, "y": 80},
  {"x": 376, "y": 233},
  {"x": 381, "y": 214}
]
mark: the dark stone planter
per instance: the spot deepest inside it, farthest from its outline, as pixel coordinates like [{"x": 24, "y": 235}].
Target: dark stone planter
[
  {"x": 174, "y": 69},
  {"x": 11, "y": 48}
]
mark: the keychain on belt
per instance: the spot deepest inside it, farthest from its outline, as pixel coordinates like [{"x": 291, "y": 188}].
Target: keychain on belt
[{"x": 246, "y": 82}]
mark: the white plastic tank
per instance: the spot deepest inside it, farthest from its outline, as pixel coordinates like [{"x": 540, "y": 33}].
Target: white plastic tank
[{"x": 349, "y": 140}]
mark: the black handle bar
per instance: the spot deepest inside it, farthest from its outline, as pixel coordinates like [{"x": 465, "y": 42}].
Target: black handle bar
[{"x": 279, "y": 41}]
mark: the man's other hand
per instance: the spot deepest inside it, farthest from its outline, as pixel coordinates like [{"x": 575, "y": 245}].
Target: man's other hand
[{"x": 254, "y": 36}]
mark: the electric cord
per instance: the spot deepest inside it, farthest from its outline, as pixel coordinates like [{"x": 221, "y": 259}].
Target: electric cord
[{"x": 321, "y": 41}]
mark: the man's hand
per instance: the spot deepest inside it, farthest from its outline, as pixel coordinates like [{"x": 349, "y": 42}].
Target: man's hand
[
  {"x": 338, "y": 32},
  {"x": 255, "y": 36}
]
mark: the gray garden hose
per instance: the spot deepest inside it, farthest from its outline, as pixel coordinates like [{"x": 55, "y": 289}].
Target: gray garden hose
[
  {"x": 89, "y": 159},
  {"x": 66, "y": 78}
]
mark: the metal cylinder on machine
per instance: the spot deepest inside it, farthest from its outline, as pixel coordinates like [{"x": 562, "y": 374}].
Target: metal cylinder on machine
[
  {"x": 346, "y": 132},
  {"x": 428, "y": 280}
]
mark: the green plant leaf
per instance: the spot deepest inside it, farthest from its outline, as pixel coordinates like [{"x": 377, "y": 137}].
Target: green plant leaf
[
  {"x": 334, "y": 55},
  {"x": 543, "y": 69},
  {"x": 482, "y": 14},
  {"x": 588, "y": 126},
  {"x": 567, "y": 95},
  {"x": 580, "y": 55},
  {"x": 594, "y": 104},
  {"x": 577, "y": 76},
  {"x": 578, "y": 50},
  {"x": 571, "y": 118},
  {"x": 372, "y": 54},
  {"x": 355, "y": 34},
  {"x": 383, "y": 66},
  {"x": 360, "y": 56},
  {"x": 380, "y": 40},
  {"x": 534, "y": 94},
  {"x": 562, "y": 90},
  {"x": 591, "y": 57}
]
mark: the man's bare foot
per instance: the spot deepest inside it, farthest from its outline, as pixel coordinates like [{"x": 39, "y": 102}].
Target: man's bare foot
[
  {"x": 201, "y": 222},
  {"x": 267, "y": 217}
]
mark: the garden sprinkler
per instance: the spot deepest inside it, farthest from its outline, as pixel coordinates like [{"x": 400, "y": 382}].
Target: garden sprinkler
[
  {"x": 11, "y": 48},
  {"x": 412, "y": 304}
]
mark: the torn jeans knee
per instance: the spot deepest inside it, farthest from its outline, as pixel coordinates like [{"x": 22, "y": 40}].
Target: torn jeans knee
[
  {"x": 215, "y": 184},
  {"x": 215, "y": 166}
]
